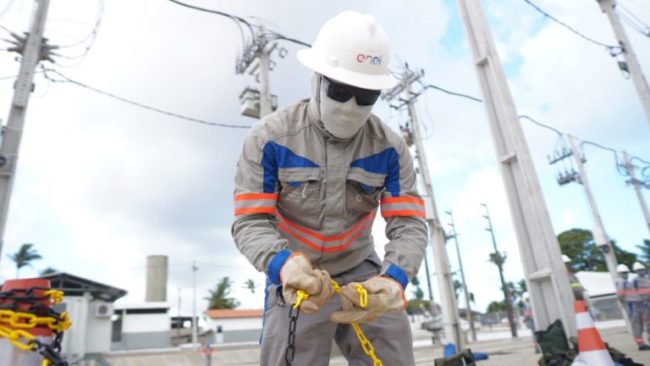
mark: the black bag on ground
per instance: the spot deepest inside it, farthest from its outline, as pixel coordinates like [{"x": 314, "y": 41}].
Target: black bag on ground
[{"x": 464, "y": 358}]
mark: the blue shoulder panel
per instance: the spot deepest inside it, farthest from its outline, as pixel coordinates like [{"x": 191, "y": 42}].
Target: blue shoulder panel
[
  {"x": 385, "y": 162},
  {"x": 275, "y": 156}
]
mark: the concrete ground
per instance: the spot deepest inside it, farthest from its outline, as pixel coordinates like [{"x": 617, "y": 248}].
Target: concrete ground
[{"x": 502, "y": 351}]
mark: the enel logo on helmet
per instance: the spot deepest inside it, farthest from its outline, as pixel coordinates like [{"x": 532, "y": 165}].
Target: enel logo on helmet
[{"x": 373, "y": 60}]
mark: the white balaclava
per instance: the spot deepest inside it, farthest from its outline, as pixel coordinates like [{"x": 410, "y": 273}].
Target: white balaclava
[{"x": 341, "y": 120}]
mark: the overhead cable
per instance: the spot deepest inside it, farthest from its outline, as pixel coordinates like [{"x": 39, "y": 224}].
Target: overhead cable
[
  {"x": 614, "y": 50},
  {"x": 632, "y": 20},
  {"x": 137, "y": 104},
  {"x": 275, "y": 35},
  {"x": 235, "y": 18},
  {"x": 431, "y": 86}
]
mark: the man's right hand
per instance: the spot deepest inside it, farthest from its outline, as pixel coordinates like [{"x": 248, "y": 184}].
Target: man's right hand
[{"x": 297, "y": 273}]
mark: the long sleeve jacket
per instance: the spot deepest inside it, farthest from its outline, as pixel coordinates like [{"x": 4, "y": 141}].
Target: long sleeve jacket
[{"x": 299, "y": 189}]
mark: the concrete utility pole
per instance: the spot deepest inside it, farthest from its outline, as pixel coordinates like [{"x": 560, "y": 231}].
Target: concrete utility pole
[
  {"x": 499, "y": 259},
  {"x": 450, "y": 316},
  {"x": 547, "y": 279},
  {"x": 194, "y": 317},
  {"x": 633, "y": 66},
  {"x": 600, "y": 237},
  {"x": 470, "y": 316},
  {"x": 259, "y": 50},
  {"x": 12, "y": 133},
  {"x": 629, "y": 167}
]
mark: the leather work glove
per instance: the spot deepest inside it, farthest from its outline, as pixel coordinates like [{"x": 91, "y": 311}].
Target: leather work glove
[
  {"x": 297, "y": 273},
  {"x": 384, "y": 295}
]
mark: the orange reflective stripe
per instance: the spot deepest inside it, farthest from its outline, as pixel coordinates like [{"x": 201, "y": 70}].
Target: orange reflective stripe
[
  {"x": 256, "y": 196},
  {"x": 402, "y": 199},
  {"x": 392, "y": 213},
  {"x": 255, "y": 210},
  {"x": 322, "y": 237},
  {"x": 317, "y": 241},
  {"x": 590, "y": 340}
]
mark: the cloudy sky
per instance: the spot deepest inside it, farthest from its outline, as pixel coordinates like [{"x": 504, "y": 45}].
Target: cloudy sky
[{"x": 102, "y": 184}]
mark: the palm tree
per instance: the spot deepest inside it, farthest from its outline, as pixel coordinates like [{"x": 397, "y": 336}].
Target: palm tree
[
  {"x": 250, "y": 285},
  {"x": 24, "y": 256},
  {"x": 219, "y": 299},
  {"x": 48, "y": 270}
]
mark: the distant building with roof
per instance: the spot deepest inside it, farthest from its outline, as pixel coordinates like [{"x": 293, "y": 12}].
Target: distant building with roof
[
  {"x": 235, "y": 325},
  {"x": 141, "y": 326},
  {"x": 90, "y": 306}
]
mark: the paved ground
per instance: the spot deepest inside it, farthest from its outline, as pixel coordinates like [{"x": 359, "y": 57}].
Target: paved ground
[{"x": 503, "y": 352}]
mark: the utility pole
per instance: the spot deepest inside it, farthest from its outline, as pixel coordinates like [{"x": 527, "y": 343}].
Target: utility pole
[
  {"x": 470, "y": 316},
  {"x": 256, "y": 60},
  {"x": 179, "y": 325},
  {"x": 599, "y": 233},
  {"x": 499, "y": 259},
  {"x": 450, "y": 316},
  {"x": 194, "y": 317},
  {"x": 600, "y": 236},
  {"x": 632, "y": 65},
  {"x": 636, "y": 183},
  {"x": 32, "y": 53},
  {"x": 548, "y": 282}
]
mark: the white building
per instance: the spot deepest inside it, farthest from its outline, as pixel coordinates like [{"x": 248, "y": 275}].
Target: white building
[
  {"x": 90, "y": 306},
  {"x": 141, "y": 326},
  {"x": 235, "y": 325}
]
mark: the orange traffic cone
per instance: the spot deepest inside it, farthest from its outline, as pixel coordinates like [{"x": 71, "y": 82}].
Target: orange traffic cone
[{"x": 592, "y": 349}]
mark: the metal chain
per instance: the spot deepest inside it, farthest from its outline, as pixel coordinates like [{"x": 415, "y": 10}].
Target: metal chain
[
  {"x": 294, "y": 313},
  {"x": 13, "y": 323}
]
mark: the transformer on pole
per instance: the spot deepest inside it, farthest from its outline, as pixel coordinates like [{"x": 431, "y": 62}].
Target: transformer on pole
[{"x": 451, "y": 319}]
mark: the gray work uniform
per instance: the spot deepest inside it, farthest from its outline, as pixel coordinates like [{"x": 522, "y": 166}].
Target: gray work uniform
[
  {"x": 299, "y": 189},
  {"x": 644, "y": 292},
  {"x": 635, "y": 309}
]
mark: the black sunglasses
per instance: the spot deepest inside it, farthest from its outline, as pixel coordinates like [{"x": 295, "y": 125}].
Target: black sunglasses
[{"x": 342, "y": 93}]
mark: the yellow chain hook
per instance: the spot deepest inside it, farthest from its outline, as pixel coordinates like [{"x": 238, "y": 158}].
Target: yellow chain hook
[
  {"x": 363, "y": 296},
  {"x": 302, "y": 295}
]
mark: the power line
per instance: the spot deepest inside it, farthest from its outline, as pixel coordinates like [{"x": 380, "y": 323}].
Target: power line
[
  {"x": 90, "y": 38},
  {"x": 275, "y": 35},
  {"x": 431, "y": 86},
  {"x": 614, "y": 50},
  {"x": 232, "y": 17},
  {"x": 633, "y": 21},
  {"x": 137, "y": 104}
]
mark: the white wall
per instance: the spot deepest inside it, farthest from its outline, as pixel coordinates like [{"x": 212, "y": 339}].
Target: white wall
[
  {"x": 98, "y": 332},
  {"x": 235, "y": 323},
  {"x": 140, "y": 323}
]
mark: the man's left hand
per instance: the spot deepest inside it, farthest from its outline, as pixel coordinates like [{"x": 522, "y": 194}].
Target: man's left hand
[{"x": 384, "y": 295}]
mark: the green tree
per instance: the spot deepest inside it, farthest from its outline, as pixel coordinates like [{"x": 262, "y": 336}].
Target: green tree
[
  {"x": 458, "y": 287},
  {"x": 250, "y": 285},
  {"x": 585, "y": 255},
  {"x": 495, "y": 306},
  {"x": 645, "y": 251},
  {"x": 24, "y": 257},
  {"x": 498, "y": 258},
  {"x": 218, "y": 298},
  {"x": 48, "y": 270},
  {"x": 418, "y": 293}
]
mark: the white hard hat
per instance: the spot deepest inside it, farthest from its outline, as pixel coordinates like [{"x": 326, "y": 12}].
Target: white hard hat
[
  {"x": 637, "y": 266},
  {"x": 622, "y": 268},
  {"x": 353, "y": 49},
  {"x": 566, "y": 258}
]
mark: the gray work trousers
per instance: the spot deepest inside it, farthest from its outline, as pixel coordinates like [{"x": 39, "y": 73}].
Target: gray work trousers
[
  {"x": 636, "y": 310},
  {"x": 390, "y": 334}
]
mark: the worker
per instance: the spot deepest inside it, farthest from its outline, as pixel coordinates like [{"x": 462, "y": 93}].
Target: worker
[
  {"x": 578, "y": 290},
  {"x": 641, "y": 285},
  {"x": 632, "y": 303},
  {"x": 529, "y": 319},
  {"x": 307, "y": 187}
]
